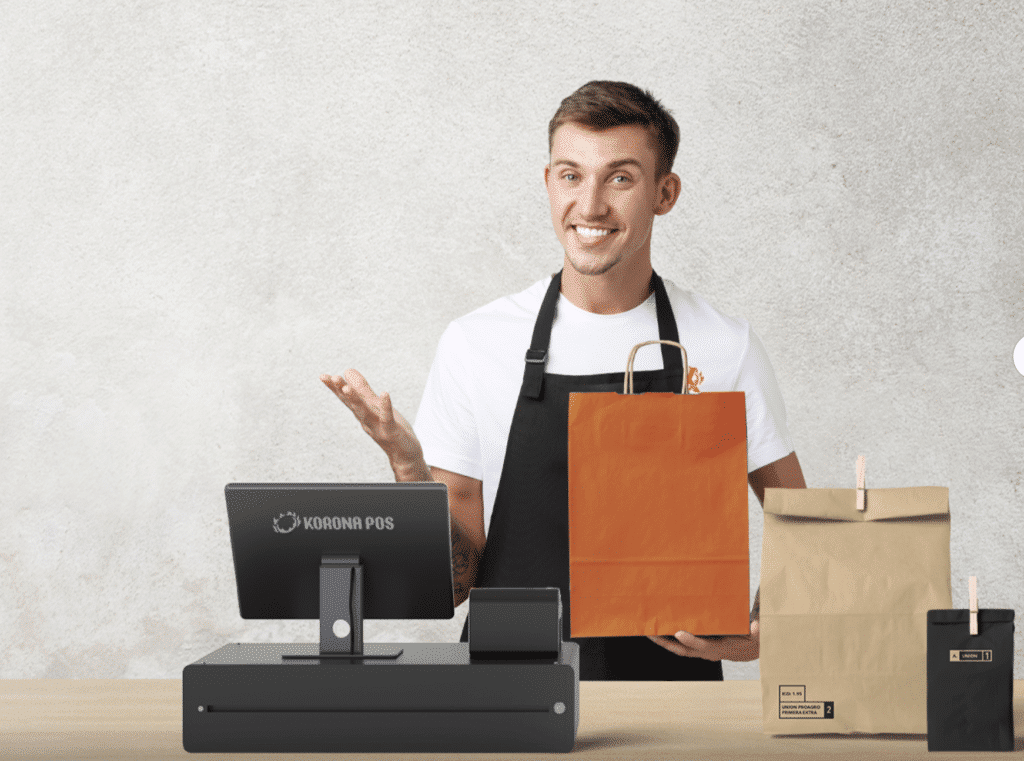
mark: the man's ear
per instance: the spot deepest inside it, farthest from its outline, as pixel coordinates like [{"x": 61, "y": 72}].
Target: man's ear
[
  {"x": 668, "y": 193},
  {"x": 547, "y": 171}
]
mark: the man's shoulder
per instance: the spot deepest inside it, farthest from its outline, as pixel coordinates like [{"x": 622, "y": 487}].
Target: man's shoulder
[
  {"x": 693, "y": 311},
  {"x": 499, "y": 329}
]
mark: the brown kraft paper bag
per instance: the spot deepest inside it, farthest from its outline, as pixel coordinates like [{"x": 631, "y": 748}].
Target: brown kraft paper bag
[{"x": 845, "y": 596}]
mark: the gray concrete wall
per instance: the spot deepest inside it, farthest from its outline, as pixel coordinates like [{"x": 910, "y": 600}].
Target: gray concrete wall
[{"x": 204, "y": 205}]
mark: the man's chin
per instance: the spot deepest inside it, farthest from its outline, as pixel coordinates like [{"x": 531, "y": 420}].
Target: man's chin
[{"x": 591, "y": 268}]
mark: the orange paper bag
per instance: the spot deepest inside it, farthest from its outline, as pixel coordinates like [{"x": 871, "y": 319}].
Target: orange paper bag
[{"x": 658, "y": 512}]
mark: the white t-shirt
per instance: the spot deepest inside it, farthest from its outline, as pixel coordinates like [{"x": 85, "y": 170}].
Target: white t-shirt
[{"x": 465, "y": 416}]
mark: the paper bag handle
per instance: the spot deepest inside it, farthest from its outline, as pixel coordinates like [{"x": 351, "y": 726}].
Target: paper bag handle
[{"x": 627, "y": 381}]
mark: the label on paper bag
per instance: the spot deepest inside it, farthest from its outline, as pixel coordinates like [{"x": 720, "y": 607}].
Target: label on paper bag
[
  {"x": 794, "y": 705},
  {"x": 969, "y": 656}
]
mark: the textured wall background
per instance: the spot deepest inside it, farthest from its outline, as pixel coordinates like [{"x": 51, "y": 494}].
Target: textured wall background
[{"x": 204, "y": 205}]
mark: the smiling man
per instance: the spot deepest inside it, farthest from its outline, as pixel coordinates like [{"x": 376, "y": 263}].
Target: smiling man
[{"x": 492, "y": 424}]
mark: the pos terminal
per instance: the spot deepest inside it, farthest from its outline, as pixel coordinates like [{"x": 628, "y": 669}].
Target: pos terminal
[{"x": 342, "y": 552}]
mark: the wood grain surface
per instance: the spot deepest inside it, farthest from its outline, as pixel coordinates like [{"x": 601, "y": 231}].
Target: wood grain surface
[{"x": 141, "y": 719}]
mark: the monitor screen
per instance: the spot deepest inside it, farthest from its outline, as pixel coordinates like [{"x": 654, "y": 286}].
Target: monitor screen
[{"x": 400, "y": 532}]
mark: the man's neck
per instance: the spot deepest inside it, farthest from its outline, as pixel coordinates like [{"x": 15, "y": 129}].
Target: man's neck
[{"x": 612, "y": 292}]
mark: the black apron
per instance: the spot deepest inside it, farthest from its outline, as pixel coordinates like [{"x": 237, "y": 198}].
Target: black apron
[{"x": 528, "y": 537}]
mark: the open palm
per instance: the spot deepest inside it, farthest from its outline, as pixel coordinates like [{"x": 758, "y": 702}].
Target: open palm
[{"x": 376, "y": 415}]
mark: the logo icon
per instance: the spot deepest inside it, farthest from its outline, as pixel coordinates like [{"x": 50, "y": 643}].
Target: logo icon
[{"x": 286, "y": 522}]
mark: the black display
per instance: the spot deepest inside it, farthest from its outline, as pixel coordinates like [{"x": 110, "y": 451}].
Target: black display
[{"x": 350, "y": 551}]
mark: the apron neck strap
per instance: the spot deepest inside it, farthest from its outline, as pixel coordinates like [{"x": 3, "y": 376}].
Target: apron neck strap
[{"x": 537, "y": 354}]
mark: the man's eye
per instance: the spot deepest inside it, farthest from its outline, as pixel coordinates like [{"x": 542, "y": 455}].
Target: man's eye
[
  {"x": 622, "y": 177},
  {"x": 569, "y": 176}
]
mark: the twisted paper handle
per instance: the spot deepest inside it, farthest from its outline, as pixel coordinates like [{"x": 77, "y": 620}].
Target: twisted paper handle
[{"x": 627, "y": 381}]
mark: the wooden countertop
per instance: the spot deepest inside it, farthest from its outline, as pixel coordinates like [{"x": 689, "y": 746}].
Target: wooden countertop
[{"x": 141, "y": 719}]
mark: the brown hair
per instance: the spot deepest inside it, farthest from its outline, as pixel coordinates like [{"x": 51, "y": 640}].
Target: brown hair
[{"x": 601, "y": 105}]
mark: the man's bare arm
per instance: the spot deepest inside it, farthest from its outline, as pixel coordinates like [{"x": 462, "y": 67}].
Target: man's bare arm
[
  {"x": 466, "y": 503},
  {"x": 784, "y": 473},
  {"x": 395, "y": 436}
]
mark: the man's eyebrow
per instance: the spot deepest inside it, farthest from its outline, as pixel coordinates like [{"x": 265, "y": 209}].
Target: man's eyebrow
[{"x": 612, "y": 165}]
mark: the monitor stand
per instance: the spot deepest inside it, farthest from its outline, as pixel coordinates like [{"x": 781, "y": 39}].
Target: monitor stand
[{"x": 341, "y": 612}]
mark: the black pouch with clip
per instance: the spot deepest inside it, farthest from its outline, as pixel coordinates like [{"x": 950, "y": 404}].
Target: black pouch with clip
[{"x": 970, "y": 680}]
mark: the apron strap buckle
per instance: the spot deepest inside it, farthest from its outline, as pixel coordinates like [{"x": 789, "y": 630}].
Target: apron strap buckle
[{"x": 533, "y": 378}]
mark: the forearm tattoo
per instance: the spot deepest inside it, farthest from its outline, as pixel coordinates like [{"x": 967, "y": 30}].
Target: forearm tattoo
[{"x": 461, "y": 553}]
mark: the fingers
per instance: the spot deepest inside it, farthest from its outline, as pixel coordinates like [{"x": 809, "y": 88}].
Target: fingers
[
  {"x": 731, "y": 648},
  {"x": 376, "y": 414},
  {"x": 350, "y": 387},
  {"x": 669, "y": 643},
  {"x": 698, "y": 647},
  {"x": 356, "y": 404},
  {"x": 358, "y": 383},
  {"x": 335, "y": 383},
  {"x": 689, "y": 646}
]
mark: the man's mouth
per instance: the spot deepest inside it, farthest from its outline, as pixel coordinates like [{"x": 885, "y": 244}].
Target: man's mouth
[{"x": 592, "y": 233}]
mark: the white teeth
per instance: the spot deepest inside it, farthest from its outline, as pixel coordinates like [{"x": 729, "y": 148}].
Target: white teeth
[{"x": 591, "y": 232}]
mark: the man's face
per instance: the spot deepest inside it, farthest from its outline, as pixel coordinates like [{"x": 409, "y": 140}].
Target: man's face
[{"x": 604, "y": 195}]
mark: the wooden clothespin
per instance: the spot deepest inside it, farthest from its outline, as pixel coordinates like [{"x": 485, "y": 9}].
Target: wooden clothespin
[
  {"x": 972, "y": 582},
  {"x": 860, "y": 482}
]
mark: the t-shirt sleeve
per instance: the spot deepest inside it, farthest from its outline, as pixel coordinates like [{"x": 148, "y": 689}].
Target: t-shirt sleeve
[
  {"x": 768, "y": 436},
  {"x": 445, "y": 424}
]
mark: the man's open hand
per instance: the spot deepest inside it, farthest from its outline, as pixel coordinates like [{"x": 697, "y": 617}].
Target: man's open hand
[
  {"x": 378, "y": 418},
  {"x": 729, "y": 648}
]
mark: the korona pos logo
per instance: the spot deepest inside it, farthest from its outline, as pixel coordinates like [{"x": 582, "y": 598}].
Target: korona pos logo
[{"x": 287, "y": 522}]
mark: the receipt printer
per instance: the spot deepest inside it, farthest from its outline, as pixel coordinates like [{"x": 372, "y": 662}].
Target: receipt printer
[{"x": 513, "y": 624}]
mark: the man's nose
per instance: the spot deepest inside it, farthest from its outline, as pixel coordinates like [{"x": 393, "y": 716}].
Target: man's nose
[{"x": 591, "y": 201}]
